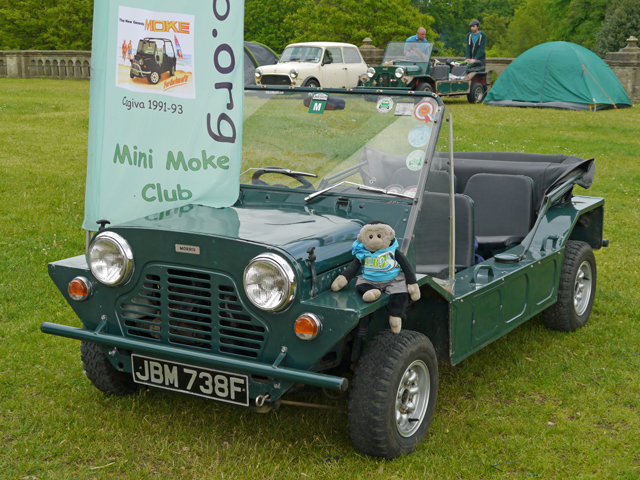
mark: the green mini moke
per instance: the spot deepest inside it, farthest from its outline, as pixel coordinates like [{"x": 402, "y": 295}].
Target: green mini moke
[
  {"x": 410, "y": 66},
  {"x": 235, "y": 305}
]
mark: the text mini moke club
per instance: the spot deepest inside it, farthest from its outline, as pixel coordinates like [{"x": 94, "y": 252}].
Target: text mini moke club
[{"x": 235, "y": 304}]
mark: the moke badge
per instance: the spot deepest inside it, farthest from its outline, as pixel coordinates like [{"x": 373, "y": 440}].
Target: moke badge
[{"x": 193, "y": 250}]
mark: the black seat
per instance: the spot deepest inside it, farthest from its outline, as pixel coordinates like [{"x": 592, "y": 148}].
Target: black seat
[
  {"x": 438, "y": 181},
  {"x": 504, "y": 208},
  {"x": 432, "y": 234},
  {"x": 440, "y": 72}
]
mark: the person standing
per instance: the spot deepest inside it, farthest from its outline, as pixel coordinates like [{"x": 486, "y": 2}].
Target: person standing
[
  {"x": 419, "y": 37},
  {"x": 124, "y": 52},
  {"x": 476, "y": 44},
  {"x": 130, "y": 47}
]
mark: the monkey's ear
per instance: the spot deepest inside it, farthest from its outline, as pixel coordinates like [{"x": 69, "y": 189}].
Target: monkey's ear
[
  {"x": 360, "y": 237},
  {"x": 392, "y": 232}
]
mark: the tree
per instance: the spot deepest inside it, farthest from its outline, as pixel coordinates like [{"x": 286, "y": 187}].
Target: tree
[
  {"x": 576, "y": 21},
  {"x": 353, "y": 21},
  {"x": 270, "y": 22},
  {"x": 529, "y": 27},
  {"x": 621, "y": 21}
]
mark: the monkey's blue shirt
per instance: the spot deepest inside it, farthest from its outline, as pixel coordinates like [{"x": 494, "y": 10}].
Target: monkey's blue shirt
[{"x": 379, "y": 266}]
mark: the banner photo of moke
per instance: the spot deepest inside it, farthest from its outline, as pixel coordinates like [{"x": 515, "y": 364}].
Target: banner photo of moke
[{"x": 165, "y": 120}]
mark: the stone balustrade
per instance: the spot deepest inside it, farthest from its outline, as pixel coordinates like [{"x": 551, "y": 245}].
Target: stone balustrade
[{"x": 63, "y": 64}]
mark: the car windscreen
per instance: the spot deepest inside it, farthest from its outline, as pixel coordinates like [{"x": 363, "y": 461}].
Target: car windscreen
[
  {"x": 301, "y": 54},
  {"x": 337, "y": 136},
  {"x": 147, "y": 46},
  {"x": 407, "y": 52}
]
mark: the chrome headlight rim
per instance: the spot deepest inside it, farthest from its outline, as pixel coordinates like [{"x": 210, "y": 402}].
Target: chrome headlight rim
[
  {"x": 293, "y": 73},
  {"x": 287, "y": 273},
  {"x": 258, "y": 73},
  {"x": 371, "y": 72},
  {"x": 125, "y": 251},
  {"x": 399, "y": 73}
]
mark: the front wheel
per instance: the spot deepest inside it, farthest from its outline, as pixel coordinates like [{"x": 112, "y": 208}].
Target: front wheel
[
  {"x": 102, "y": 374},
  {"x": 313, "y": 83},
  {"x": 576, "y": 291},
  {"x": 154, "y": 77},
  {"x": 476, "y": 94},
  {"x": 394, "y": 393}
]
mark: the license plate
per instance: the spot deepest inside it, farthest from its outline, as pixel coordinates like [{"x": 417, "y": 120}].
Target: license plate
[{"x": 202, "y": 382}]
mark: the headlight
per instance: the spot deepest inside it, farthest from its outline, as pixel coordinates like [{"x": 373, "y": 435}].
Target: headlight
[
  {"x": 258, "y": 73},
  {"x": 269, "y": 282},
  {"x": 293, "y": 73},
  {"x": 371, "y": 72},
  {"x": 110, "y": 259},
  {"x": 399, "y": 72}
]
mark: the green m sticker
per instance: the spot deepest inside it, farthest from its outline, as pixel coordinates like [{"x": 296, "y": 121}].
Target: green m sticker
[{"x": 318, "y": 103}]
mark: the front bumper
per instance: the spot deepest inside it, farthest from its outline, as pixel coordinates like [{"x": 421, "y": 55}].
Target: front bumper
[{"x": 200, "y": 358}]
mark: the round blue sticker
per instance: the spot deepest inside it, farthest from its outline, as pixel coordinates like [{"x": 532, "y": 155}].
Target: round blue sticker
[{"x": 419, "y": 135}]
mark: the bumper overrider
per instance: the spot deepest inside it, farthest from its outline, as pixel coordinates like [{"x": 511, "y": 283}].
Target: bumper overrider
[{"x": 181, "y": 313}]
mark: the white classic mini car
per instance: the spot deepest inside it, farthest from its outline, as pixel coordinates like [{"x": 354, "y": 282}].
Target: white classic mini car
[{"x": 315, "y": 64}]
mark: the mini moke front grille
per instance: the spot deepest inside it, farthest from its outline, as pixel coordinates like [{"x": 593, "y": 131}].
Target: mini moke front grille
[{"x": 193, "y": 309}]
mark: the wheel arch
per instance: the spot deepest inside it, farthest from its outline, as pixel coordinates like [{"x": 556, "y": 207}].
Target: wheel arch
[{"x": 589, "y": 227}]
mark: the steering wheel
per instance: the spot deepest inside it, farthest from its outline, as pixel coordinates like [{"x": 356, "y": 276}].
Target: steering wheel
[{"x": 299, "y": 176}]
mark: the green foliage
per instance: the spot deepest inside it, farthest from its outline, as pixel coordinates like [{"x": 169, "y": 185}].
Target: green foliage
[
  {"x": 270, "y": 22},
  {"x": 529, "y": 27},
  {"x": 576, "y": 21},
  {"x": 496, "y": 28},
  {"x": 46, "y": 24},
  {"x": 622, "y": 21},
  {"x": 354, "y": 20}
]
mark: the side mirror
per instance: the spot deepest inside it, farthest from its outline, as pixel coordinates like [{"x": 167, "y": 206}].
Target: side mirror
[{"x": 435, "y": 50}]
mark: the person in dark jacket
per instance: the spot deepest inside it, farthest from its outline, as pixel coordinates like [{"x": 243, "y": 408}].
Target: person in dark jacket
[{"x": 476, "y": 44}]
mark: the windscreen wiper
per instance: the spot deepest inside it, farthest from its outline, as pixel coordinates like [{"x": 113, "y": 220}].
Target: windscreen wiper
[{"x": 360, "y": 187}]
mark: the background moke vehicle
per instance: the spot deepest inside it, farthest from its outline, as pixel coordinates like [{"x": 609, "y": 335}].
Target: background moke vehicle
[
  {"x": 234, "y": 304},
  {"x": 153, "y": 58},
  {"x": 315, "y": 64},
  {"x": 409, "y": 66}
]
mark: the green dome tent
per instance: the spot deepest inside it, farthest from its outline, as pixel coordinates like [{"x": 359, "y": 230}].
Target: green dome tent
[{"x": 558, "y": 75}]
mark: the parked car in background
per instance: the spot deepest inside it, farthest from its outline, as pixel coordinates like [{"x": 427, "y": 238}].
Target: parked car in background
[
  {"x": 315, "y": 64},
  {"x": 409, "y": 66},
  {"x": 255, "y": 55}
]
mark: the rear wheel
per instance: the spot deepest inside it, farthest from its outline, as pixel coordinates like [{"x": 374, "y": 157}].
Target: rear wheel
[
  {"x": 394, "y": 392},
  {"x": 102, "y": 374},
  {"x": 577, "y": 289},
  {"x": 476, "y": 94}
]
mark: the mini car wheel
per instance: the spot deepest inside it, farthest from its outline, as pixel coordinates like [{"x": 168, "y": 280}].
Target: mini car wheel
[
  {"x": 131, "y": 75},
  {"x": 101, "y": 373},
  {"x": 476, "y": 94},
  {"x": 577, "y": 289},
  {"x": 172, "y": 71},
  {"x": 313, "y": 83},
  {"x": 394, "y": 392},
  {"x": 154, "y": 77},
  {"x": 424, "y": 87}
]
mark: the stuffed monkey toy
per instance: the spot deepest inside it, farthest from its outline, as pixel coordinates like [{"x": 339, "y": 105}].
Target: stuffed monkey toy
[{"x": 385, "y": 269}]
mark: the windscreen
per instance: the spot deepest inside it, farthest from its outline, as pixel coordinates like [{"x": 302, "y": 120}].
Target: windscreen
[
  {"x": 301, "y": 54},
  {"x": 357, "y": 143},
  {"x": 407, "y": 52}
]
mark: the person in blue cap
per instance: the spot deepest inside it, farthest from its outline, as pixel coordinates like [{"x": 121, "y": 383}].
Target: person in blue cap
[{"x": 476, "y": 44}]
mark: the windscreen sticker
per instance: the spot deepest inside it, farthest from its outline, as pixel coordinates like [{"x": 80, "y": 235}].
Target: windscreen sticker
[
  {"x": 419, "y": 135},
  {"x": 385, "y": 104},
  {"x": 415, "y": 160},
  {"x": 404, "y": 109},
  {"x": 424, "y": 111},
  {"x": 318, "y": 103}
]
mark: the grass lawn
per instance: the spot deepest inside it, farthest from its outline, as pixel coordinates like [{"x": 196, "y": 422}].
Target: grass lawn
[{"x": 535, "y": 404}]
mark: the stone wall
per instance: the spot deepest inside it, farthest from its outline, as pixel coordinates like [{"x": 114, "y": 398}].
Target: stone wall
[
  {"x": 63, "y": 64},
  {"x": 625, "y": 63}
]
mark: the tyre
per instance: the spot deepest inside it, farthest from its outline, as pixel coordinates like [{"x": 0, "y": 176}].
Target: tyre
[
  {"x": 576, "y": 291},
  {"x": 476, "y": 94},
  {"x": 313, "y": 83},
  {"x": 394, "y": 393},
  {"x": 131, "y": 75},
  {"x": 172, "y": 71},
  {"x": 154, "y": 77},
  {"x": 102, "y": 374},
  {"x": 424, "y": 87}
]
